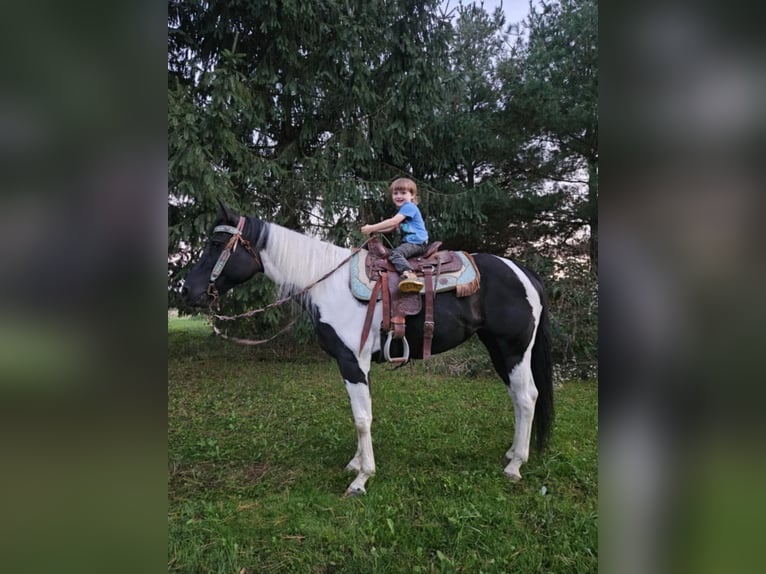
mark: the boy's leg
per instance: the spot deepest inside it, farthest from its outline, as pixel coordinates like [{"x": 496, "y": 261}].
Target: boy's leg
[{"x": 398, "y": 257}]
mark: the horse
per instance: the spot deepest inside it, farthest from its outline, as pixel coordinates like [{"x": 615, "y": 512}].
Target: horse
[{"x": 508, "y": 313}]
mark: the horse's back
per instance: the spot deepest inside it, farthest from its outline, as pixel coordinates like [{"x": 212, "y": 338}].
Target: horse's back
[
  {"x": 501, "y": 273},
  {"x": 511, "y": 295}
]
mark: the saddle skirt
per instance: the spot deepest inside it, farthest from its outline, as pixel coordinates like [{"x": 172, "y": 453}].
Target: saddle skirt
[{"x": 455, "y": 270}]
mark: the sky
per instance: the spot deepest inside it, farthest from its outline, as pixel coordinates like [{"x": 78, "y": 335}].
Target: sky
[{"x": 515, "y": 10}]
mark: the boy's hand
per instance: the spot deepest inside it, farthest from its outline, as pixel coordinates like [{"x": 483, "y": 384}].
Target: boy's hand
[{"x": 366, "y": 229}]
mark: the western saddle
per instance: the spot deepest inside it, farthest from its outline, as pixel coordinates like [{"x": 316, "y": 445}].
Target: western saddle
[{"x": 397, "y": 304}]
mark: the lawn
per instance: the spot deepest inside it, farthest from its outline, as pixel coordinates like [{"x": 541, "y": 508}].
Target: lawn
[{"x": 257, "y": 446}]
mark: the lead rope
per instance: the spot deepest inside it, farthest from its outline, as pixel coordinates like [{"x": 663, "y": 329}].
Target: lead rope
[
  {"x": 277, "y": 303},
  {"x": 223, "y": 335}
]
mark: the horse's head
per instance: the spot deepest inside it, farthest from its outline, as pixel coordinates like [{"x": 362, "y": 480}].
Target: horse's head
[{"x": 229, "y": 258}]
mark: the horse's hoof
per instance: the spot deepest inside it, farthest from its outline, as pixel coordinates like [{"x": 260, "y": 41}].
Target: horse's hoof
[
  {"x": 353, "y": 492},
  {"x": 513, "y": 477}
]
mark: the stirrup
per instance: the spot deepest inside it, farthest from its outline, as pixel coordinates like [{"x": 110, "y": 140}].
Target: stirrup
[{"x": 387, "y": 350}]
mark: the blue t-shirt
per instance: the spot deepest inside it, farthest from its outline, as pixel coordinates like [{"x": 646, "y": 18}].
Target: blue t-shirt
[{"x": 413, "y": 228}]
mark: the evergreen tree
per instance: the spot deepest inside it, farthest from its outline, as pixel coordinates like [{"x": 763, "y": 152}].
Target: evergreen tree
[
  {"x": 298, "y": 111},
  {"x": 550, "y": 87}
]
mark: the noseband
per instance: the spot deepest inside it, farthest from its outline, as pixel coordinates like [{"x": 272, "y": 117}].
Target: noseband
[{"x": 231, "y": 247}]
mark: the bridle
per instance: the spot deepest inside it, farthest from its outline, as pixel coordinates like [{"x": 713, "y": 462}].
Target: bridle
[{"x": 231, "y": 247}]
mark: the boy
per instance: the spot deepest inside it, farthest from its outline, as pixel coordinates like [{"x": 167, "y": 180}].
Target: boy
[{"x": 404, "y": 194}]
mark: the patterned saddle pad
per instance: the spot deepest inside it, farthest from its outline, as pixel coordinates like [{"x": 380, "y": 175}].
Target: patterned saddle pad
[{"x": 465, "y": 280}]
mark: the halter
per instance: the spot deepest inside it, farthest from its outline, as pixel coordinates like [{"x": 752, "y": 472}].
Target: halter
[{"x": 231, "y": 247}]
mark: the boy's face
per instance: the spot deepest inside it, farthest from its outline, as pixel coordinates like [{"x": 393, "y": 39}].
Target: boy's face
[{"x": 401, "y": 195}]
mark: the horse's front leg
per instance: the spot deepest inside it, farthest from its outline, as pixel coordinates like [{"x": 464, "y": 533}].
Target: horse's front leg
[
  {"x": 364, "y": 459},
  {"x": 355, "y": 372}
]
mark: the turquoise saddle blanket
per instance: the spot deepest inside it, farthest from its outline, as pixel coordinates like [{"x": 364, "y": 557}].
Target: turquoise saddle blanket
[{"x": 467, "y": 277}]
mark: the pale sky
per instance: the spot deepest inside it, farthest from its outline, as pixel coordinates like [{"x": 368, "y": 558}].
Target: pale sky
[{"x": 515, "y": 10}]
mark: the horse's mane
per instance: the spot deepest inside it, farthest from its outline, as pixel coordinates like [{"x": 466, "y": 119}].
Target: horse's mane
[{"x": 299, "y": 259}]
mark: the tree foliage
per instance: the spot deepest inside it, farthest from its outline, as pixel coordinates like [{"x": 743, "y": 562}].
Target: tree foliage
[{"x": 550, "y": 87}]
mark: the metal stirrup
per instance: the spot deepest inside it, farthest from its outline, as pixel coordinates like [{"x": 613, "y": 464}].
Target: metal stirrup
[{"x": 387, "y": 350}]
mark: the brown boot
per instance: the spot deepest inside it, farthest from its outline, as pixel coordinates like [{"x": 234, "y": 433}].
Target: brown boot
[{"x": 410, "y": 283}]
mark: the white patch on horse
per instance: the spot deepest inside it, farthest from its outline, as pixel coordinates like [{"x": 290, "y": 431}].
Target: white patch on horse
[
  {"x": 340, "y": 309},
  {"x": 335, "y": 302},
  {"x": 532, "y": 295},
  {"x": 522, "y": 387}
]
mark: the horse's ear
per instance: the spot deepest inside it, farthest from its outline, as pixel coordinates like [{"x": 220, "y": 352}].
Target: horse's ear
[{"x": 224, "y": 212}]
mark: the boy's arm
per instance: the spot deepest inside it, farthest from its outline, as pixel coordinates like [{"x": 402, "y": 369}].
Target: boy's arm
[{"x": 384, "y": 226}]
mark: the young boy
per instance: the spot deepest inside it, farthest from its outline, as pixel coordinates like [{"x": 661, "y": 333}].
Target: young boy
[{"x": 404, "y": 194}]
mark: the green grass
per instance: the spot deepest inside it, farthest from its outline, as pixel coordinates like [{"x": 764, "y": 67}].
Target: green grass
[{"x": 257, "y": 448}]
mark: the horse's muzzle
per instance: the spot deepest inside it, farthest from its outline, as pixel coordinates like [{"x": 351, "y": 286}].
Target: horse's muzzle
[{"x": 194, "y": 297}]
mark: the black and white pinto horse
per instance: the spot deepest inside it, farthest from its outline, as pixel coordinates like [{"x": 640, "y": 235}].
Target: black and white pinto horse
[{"x": 508, "y": 313}]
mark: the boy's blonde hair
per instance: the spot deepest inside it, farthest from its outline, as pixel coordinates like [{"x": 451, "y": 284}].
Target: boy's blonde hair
[{"x": 406, "y": 183}]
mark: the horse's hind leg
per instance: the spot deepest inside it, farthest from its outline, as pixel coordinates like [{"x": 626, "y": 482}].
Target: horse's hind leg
[
  {"x": 524, "y": 395},
  {"x": 516, "y": 372}
]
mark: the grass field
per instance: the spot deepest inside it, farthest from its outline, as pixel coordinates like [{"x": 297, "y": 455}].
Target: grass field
[{"x": 257, "y": 446}]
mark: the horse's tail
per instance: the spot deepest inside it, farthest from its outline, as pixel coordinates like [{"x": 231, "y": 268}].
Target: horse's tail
[{"x": 542, "y": 372}]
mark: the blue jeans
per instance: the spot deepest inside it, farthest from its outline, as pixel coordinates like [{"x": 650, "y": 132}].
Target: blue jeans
[{"x": 398, "y": 256}]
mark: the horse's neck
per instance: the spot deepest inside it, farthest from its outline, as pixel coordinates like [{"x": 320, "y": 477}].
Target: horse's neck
[{"x": 293, "y": 260}]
